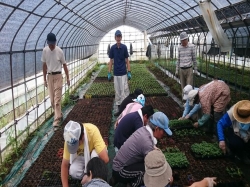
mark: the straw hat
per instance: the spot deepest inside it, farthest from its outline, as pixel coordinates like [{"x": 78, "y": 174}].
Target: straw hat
[{"x": 241, "y": 111}]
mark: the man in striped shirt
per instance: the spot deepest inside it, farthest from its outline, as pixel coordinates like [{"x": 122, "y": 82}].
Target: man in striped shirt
[{"x": 186, "y": 61}]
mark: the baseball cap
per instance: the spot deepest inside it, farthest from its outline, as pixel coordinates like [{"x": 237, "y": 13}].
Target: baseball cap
[
  {"x": 159, "y": 119},
  {"x": 157, "y": 169},
  {"x": 51, "y": 38},
  {"x": 140, "y": 99},
  {"x": 72, "y": 133},
  {"x": 186, "y": 90},
  {"x": 183, "y": 36},
  {"x": 191, "y": 96},
  {"x": 118, "y": 33}
]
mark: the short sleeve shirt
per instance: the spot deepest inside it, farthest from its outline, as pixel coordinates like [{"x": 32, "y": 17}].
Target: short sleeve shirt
[
  {"x": 119, "y": 55},
  {"x": 54, "y": 59},
  {"x": 95, "y": 141}
]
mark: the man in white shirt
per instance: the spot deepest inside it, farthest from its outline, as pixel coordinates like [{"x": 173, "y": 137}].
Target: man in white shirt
[{"x": 53, "y": 59}]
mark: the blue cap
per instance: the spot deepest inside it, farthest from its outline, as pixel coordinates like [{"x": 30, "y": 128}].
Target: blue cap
[
  {"x": 118, "y": 33},
  {"x": 159, "y": 119},
  {"x": 51, "y": 38}
]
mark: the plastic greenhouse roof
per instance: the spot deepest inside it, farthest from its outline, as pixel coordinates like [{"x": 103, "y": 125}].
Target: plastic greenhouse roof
[{"x": 24, "y": 24}]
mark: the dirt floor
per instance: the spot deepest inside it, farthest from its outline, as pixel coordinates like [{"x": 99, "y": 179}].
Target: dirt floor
[{"x": 46, "y": 169}]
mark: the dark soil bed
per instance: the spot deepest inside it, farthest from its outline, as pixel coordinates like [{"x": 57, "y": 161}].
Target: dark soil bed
[
  {"x": 46, "y": 169},
  {"x": 200, "y": 168},
  {"x": 96, "y": 111}
]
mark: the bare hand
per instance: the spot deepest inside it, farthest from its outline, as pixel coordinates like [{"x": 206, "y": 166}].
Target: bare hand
[
  {"x": 68, "y": 82},
  {"x": 156, "y": 148},
  {"x": 85, "y": 179},
  {"x": 45, "y": 84},
  {"x": 196, "y": 124},
  {"x": 187, "y": 117},
  {"x": 211, "y": 181},
  {"x": 181, "y": 118},
  {"x": 222, "y": 145}
]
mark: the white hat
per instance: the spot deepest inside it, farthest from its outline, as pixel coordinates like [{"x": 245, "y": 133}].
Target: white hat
[
  {"x": 72, "y": 133},
  {"x": 186, "y": 90},
  {"x": 183, "y": 36},
  {"x": 191, "y": 96}
]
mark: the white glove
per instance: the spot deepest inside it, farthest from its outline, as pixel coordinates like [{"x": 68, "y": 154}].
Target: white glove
[
  {"x": 176, "y": 73},
  {"x": 211, "y": 181}
]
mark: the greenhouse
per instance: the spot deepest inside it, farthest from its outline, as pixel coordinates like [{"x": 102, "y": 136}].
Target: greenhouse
[{"x": 74, "y": 63}]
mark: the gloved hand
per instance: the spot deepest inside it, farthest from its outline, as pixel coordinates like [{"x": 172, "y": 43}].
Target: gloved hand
[
  {"x": 176, "y": 73},
  {"x": 109, "y": 76},
  {"x": 45, "y": 84},
  {"x": 129, "y": 75},
  {"x": 222, "y": 145},
  {"x": 196, "y": 72}
]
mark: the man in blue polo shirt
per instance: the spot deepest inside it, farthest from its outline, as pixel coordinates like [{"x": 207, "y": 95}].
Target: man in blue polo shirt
[
  {"x": 130, "y": 123},
  {"x": 119, "y": 57}
]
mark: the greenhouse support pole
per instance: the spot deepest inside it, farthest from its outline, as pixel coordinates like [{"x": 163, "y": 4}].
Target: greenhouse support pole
[{"x": 145, "y": 40}]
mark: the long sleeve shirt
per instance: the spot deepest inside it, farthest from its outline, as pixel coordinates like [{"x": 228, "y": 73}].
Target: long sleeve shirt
[
  {"x": 190, "y": 110},
  {"x": 228, "y": 120},
  {"x": 186, "y": 57},
  {"x": 216, "y": 94}
]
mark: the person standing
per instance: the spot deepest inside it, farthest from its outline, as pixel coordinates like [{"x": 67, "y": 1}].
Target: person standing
[
  {"x": 53, "y": 59},
  {"x": 186, "y": 61},
  {"x": 119, "y": 57}
]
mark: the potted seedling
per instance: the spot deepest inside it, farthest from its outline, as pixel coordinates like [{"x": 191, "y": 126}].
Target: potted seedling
[{"x": 206, "y": 150}]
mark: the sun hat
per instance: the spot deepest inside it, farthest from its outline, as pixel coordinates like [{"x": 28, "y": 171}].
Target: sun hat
[
  {"x": 140, "y": 99},
  {"x": 72, "y": 133},
  {"x": 51, "y": 38},
  {"x": 186, "y": 90},
  {"x": 183, "y": 36},
  {"x": 241, "y": 111},
  {"x": 159, "y": 119},
  {"x": 191, "y": 96},
  {"x": 157, "y": 169}
]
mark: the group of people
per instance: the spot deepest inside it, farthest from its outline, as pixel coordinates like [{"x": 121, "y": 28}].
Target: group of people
[
  {"x": 138, "y": 162},
  {"x": 211, "y": 100}
]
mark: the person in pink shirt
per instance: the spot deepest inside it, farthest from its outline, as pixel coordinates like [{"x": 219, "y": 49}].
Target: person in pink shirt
[{"x": 138, "y": 103}]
